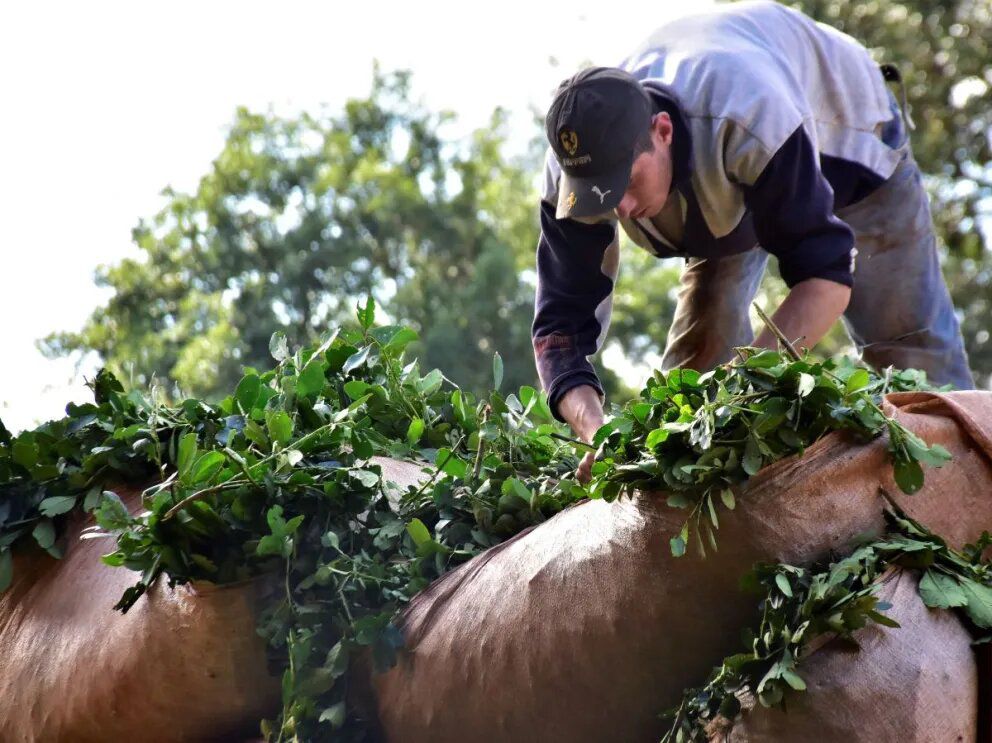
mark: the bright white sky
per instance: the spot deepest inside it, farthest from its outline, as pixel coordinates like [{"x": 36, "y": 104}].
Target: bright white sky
[{"x": 106, "y": 103}]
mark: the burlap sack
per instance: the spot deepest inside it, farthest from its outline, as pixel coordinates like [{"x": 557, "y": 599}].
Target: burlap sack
[
  {"x": 915, "y": 684},
  {"x": 584, "y": 628},
  {"x": 183, "y": 664}
]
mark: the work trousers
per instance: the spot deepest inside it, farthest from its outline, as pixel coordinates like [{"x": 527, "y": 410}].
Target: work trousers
[{"x": 900, "y": 313}]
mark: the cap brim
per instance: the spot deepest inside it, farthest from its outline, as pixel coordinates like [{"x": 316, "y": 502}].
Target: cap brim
[{"x": 590, "y": 196}]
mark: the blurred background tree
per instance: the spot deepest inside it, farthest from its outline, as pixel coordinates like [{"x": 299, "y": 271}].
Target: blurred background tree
[{"x": 301, "y": 217}]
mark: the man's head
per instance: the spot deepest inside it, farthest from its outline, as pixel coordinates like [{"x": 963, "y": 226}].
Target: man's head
[{"x": 614, "y": 152}]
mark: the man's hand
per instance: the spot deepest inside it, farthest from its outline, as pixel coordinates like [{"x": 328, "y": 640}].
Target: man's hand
[
  {"x": 582, "y": 408},
  {"x": 809, "y": 310}
]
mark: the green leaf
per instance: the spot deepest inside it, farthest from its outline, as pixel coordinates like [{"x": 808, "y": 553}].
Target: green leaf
[
  {"x": 361, "y": 445},
  {"x": 793, "y": 679},
  {"x": 908, "y": 476},
  {"x": 112, "y": 514},
  {"x": 44, "y": 533},
  {"x": 790, "y": 437},
  {"x": 712, "y": 510},
  {"x": 356, "y": 389},
  {"x": 678, "y": 546},
  {"x": 270, "y": 544},
  {"x": 517, "y": 488},
  {"x": 430, "y": 383},
  {"x": 279, "y": 346},
  {"x": 208, "y": 465},
  {"x": 883, "y": 619},
  {"x": 6, "y": 569},
  {"x": 25, "y": 452},
  {"x": 366, "y": 315},
  {"x": 418, "y": 532},
  {"x": 415, "y": 431},
  {"x": 311, "y": 380},
  {"x": 334, "y": 714},
  {"x": 450, "y": 463},
  {"x": 255, "y": 434},
  {"x": 247, "y": 392},
  {"x": 935, "y": 456},
  {"x": 187, "y": 454},
  {"x": 806, "y": 384},
  {"x": 56, "y": 505},
  {"x": 764, "y": 360},
  {"x": 293, "y": 524},
  {"x": 979, "y": 607},
  {"x": 641, "y": 411},
  {"x": 940, "y": 591},
  {"x": 857, "y": 381},
  {"x": 752, "y": 460},
  {"x": 280, "y": 426},
  {"x": 356, "y": 360},
  {"x": 368, "y": 478},
  {"x": 727, "y": 496},
  {"x": 497, "y": 370},
  {"x": 330, "y": 539},
  {"x": 783, "y": 585},
  {"x": 401, "y": 339},
  {"x": 657, "y": 436},
  {"x": 92, "y": 499}
]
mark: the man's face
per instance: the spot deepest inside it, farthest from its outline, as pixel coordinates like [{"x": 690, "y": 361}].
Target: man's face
[{"x": 651, "y": 175}]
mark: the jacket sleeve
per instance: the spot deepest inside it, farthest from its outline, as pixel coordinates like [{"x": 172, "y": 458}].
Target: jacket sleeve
[
  {"x": 791, "y": 204},
  {"x": 577, "y": 265}
]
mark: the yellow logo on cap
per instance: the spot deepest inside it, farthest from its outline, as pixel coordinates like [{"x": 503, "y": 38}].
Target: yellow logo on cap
[
  {"x": 570, "y": 201},
  {"x": 569, "y": 140}
]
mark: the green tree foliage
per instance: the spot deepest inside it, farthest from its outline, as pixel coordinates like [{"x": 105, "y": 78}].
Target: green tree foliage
[
  {"x": 944, "y": 51},
  {"x": 300, "y": 216}
]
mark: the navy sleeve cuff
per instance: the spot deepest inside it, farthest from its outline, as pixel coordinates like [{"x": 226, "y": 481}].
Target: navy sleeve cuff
[
  {"x": 568, "y": 381},
  {"x": 838, "y": 271}
]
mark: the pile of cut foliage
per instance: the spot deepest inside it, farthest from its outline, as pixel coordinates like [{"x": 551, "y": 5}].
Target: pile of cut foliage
[{"x": 277, "y": 479}]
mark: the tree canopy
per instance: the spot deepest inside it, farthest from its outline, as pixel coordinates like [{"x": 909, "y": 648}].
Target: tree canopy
[{"x": 299, "y": 218}]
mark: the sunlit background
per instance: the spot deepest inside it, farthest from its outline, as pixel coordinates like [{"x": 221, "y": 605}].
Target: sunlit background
[{"x": 107, "y": 104}]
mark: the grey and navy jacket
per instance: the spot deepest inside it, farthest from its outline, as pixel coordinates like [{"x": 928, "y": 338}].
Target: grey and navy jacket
[{"x": 778, "y": 122}]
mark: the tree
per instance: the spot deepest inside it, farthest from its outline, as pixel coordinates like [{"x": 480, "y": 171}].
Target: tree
[{"x": 301, "y": 217}]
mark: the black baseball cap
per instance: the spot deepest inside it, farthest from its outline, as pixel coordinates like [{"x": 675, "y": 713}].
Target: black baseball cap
[{"x": 593, "y": 124}]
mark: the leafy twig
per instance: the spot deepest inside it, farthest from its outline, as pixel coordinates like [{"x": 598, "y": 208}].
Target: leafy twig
[{"x": 786, "y": 343}]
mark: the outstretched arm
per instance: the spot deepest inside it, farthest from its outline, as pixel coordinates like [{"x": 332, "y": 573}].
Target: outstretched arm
[
  {"x": 793, "y": 205},
  {"x": 582, "y": 409},
  {"x": 808, "y": 312},
  {"x": 576, "y": 266}
]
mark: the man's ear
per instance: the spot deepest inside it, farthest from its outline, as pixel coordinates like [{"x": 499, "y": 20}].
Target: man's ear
[{"x": 661, "y": 125}]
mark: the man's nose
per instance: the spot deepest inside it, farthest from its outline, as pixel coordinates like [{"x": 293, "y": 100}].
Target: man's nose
[{"x": 626, "y": 206}]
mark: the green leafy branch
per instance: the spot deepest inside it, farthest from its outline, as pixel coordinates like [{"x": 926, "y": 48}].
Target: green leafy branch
[
  {"x": 698, "y": 436},
  {"x": 803, "y": 605}
]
